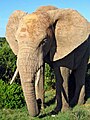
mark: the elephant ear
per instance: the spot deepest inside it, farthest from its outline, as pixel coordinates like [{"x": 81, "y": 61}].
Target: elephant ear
[
  {"x": 71, "y": 30},
  {"x": 11, "y": 29}
]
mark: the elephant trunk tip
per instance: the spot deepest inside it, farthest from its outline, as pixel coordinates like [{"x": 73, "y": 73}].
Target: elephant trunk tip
[
  {"x": 34, "y": 114},
  {"x": 37, "y": 112}
]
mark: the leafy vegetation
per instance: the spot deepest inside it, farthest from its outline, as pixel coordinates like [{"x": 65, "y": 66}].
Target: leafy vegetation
[
  {"x": 7, "y": 61},
  {"x": 49, "y": 78},
  {"x": 11, "y": 96},
  {"x": 78, "y": 113}
]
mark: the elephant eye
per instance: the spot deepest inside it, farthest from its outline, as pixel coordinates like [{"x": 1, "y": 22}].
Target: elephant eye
[{"x": 43, "y": 42}]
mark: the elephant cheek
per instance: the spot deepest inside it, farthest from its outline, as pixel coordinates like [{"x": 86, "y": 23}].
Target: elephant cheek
[{"x": 27, "y": 81}]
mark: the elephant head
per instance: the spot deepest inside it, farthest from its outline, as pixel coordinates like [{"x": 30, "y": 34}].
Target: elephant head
[{"x": 13, "y": 23}]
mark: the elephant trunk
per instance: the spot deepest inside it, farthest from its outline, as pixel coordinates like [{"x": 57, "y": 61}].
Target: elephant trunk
[
  {"x": 30, "y": 97},
  {"x": 28, "y": 66}
]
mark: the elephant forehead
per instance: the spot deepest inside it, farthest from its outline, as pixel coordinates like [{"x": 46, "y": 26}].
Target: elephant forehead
[
  {"x": 37, "y": 19},
  {"x": 34, "y": 26},
  {"x": 71, "y": 31}
]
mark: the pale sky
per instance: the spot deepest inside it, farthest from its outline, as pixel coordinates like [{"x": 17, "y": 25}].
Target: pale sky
[{"x": 8, "y": 6}]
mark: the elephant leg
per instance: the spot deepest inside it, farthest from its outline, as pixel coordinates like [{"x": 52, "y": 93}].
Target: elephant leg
[
  {"x": 79, "y": 74},
  {"x": 82, "y": 95},
  {"x": 71, "y": 86},
  {"x": 39, "y": 87},
  {"x": 59, "y": 82},
  {"x": 80, "y": 83},
  {"x": 65, "y": 72}
]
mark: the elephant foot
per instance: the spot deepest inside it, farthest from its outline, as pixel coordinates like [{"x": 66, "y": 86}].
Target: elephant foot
[
  {"x": 72, "y": 103},
  {"x": 65, "y": 107},
  {"x": 81, "y": 101},
  {"x": 76, "y": 101},
  {"x": 82, "y": 96},
  {"x": 56, "y": 110},
  {"x": 53, "y": 113}
]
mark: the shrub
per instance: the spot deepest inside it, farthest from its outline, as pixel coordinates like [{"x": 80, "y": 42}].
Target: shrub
[
  {"x": 11, "y": 96},
  {"x": 7, "y": 61},
  {"x": 2, "y": 93},
  {"x": 49, "y": 77}
]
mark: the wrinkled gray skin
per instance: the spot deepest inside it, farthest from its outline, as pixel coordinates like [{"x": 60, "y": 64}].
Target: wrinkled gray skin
[{"x": 35, "y": 38}]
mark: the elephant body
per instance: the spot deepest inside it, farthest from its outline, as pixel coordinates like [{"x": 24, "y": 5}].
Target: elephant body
[
  {"x": 57, "y": 36},
  {"x": 78, "y": 64}
]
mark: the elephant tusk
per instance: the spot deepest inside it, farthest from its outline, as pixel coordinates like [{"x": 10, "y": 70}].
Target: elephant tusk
[
  {"x": 14, "y": 76},
  {"x": 37, "y": 78}
]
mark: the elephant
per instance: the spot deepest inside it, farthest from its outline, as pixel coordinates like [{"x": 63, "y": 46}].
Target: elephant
[
  {"x": 11, "y": 39},
  {"x": 41, "y": 36},
  {"x": 11, "y": 29}
]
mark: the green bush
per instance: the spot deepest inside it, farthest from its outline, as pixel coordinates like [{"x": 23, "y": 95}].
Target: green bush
[
  {"x": 7, "y": 61},
  {"x": 2, "y": 93},
  {"x": 11, "y": 96},
  {"x": 49, "y": 78}
]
